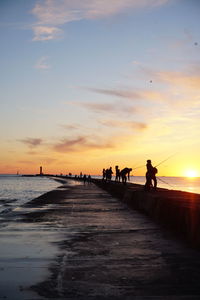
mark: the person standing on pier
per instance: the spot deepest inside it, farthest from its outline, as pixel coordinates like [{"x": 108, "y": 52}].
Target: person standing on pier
[
  {"x": 117, "y": 176},
  {"x": 124, "y": 173},
  {"x": 84, "y": 178},
  {"x": 89, "y": 179},
  {"x": 150, "y": 175},
  {"x": 104, "y": 174},
  {"x": 109, "y": 173}
]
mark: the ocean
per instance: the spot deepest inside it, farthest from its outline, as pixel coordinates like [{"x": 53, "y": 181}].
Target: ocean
[{"x": 17, "y": 190}]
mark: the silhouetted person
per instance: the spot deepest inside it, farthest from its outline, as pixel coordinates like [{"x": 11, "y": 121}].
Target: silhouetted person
[
  {"x": 124, "y": 173},
  {"x": 84, "y": 178},
  {"x": 150, "y": 175},
  {"x": 89, "y": 179},
  {"x": 104, "y": 174},
  {"x": 109, "y": 173},
  {"x": 117, "y": 174}
]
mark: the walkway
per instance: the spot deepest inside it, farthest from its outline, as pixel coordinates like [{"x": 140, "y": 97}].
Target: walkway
[{"x": 104, "y": 250}]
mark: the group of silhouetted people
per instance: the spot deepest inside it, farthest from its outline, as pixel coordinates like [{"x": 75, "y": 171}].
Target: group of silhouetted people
[
  {"x": 107, "y": 174},
  {"x": 124, "y": 174},
  {"x": 87, "y": 179},
  {"x": 119, "y": 174}
]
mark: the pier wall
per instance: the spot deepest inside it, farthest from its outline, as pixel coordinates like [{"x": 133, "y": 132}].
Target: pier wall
[{"x": 176, "y": 210}]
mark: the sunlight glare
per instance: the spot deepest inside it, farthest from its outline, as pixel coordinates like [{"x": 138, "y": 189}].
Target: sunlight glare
[{"x": 191, "y": 173}]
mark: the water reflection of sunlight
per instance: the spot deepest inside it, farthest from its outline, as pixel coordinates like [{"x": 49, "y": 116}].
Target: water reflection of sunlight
[{"x": 191, "y": 188}]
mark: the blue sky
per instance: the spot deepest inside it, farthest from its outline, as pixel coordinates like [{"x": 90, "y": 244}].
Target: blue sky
[{"x": 111, "y": 81}]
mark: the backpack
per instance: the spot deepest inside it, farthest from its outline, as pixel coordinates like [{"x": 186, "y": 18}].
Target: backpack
[{"x": 155, "y": 170}]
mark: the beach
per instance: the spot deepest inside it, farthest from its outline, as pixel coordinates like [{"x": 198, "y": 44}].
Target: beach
[{"x": 80, "y": 242}]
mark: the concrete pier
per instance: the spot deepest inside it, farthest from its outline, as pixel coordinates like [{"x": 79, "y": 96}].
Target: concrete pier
[
  {"x": 175, "y": 210},
  {"x": 102, "y": 250}
]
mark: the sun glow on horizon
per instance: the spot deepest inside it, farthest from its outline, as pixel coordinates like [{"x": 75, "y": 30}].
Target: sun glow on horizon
[{"x": 191, "y": 173}]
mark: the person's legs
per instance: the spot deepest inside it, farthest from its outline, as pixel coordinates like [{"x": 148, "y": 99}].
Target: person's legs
[
  {"x": 154, "y": 182},
  {"x": 148, "y": 183}
]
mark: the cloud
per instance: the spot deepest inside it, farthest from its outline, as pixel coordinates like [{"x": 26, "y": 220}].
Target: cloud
[
  {"x": 32, "y": 142},
  {"x": 118, "y": 93},
  {"x": 180, "y": 78},
  {"x": 46, "y": 33},
  {"x": 188, "y": 77},
  {"x": 136, "y": 95},
  {"x": 113, "y": 108},
  {"x": 70, "y": 127},
  {"x": 125, "y": 124},
  {"x": 81, "y": 143},
  {"x": 53, "y": 13},
  {"x": 59, "y": 12},
  {"x": 42, "y": 63}
]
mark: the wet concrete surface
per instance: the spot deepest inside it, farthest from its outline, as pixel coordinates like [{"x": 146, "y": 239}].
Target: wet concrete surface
[{"x": 79, "y": 242}]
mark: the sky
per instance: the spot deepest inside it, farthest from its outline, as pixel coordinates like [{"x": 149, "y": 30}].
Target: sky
[{"x": 89, "y": 84}]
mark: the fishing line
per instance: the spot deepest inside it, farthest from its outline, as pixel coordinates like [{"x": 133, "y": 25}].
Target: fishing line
[
  {"x": 165, "y": 182},
  {"x": 138, "y": 167}
]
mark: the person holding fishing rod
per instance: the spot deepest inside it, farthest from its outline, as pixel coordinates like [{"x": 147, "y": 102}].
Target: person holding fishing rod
[{"x": 150, "y": 175}]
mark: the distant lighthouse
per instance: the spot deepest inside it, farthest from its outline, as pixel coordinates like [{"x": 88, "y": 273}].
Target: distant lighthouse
[{"x": 41, "y": 173}]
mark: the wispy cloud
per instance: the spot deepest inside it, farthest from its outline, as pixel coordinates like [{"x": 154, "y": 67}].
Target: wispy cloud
[
  {"x": 133, "y": 95},
  {"x": 112, "y": 108},
  {"x": 81, "y": 143},
  {"x": 125, "y": 124},
  {"x": 51, "y": 14},
  {"x": 46, "y": 33},
  {"x": 32, "y": 142},
  {"x": 188, "y": 77},
  {"x": 70, "y": 126},
  {"x": 42, "y": 63},
  {"x": 118, "y": 93},
  {"x": 180, "y": 78}
]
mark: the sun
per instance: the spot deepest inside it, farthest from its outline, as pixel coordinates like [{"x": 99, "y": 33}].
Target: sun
[{"x": 191, "y": 173}]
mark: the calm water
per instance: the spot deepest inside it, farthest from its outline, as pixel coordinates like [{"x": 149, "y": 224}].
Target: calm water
[
  {"x": 173, "y": 183},
  {"x": 17, "y": 190}
]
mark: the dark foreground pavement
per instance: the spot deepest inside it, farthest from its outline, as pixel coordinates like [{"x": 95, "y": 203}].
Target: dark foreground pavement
[{"x": 78, "y": 242}]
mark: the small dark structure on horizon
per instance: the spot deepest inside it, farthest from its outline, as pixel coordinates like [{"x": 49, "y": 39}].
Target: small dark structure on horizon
[{"x": 41, "y": 173}]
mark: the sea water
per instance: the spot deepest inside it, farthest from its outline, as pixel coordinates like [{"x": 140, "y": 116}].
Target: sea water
[
  {"x": 16, "y": 190},
  {"x": 172, "y": 183}
]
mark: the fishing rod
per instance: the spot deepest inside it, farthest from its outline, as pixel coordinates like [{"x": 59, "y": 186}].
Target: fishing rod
[
  {"x": 165, "y": 182},
  {"x": 158, "y": 163},
  {"x": 166, "y": 159}
]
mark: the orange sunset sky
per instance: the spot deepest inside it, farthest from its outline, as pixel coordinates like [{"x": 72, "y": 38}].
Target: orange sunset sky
[{"x": 88, "y": 84}]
